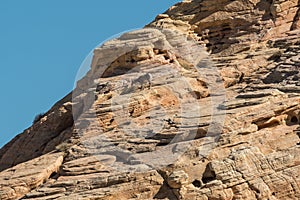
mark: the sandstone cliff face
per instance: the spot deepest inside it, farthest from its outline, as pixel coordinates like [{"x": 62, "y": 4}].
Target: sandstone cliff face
[{"x": 201, "y": 104}]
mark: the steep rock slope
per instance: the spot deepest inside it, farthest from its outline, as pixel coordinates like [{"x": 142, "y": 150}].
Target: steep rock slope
[{"x": 157, "y": 117}]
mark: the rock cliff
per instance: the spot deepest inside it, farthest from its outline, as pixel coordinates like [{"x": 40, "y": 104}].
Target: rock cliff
[{"x": 203, "y": 103}]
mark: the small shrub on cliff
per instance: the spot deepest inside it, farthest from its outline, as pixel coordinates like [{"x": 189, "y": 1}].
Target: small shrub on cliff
[
  {"x": 63, "y": 147},
  {"x": 38, "y": 117}
]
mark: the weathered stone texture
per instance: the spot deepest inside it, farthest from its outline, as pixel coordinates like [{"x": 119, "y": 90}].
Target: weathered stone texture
[{"x": 145, "y": 123}]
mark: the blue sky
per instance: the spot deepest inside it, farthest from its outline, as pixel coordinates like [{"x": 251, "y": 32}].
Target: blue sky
[{"x": 43, "y": 43}]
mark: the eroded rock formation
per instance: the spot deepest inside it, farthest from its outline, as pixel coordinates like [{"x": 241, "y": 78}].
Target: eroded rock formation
[{"x": 204, "y": 103}]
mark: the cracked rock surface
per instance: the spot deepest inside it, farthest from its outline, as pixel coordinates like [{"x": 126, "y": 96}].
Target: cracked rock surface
[{"x": 203, "y": 103}]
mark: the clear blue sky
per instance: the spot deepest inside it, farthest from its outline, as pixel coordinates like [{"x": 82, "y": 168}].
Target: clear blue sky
[{"x": 43, "y": 42}]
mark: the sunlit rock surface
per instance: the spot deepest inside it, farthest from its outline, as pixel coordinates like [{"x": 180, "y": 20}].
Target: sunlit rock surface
[{"x": 201, "y": 104}]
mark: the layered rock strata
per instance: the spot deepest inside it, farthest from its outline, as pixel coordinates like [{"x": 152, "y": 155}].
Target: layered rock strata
[{"x": 201, "y": 104}]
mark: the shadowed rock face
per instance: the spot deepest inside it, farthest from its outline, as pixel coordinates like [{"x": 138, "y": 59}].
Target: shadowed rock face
[{"x": 157, "y": 117}]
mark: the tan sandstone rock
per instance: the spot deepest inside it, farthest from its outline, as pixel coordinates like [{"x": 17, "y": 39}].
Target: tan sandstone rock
[{"x": 203, "y": 103}]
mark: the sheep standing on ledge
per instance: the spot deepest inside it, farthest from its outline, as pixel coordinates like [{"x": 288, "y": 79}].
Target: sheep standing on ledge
[{"x": 143, "y": 81}]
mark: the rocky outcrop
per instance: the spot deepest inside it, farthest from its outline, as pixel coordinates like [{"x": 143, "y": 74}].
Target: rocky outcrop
[
  {"x": 48, "y": 132},
  {"x": 21, "y": 179},
  {"x": 203, "y": 103}
]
